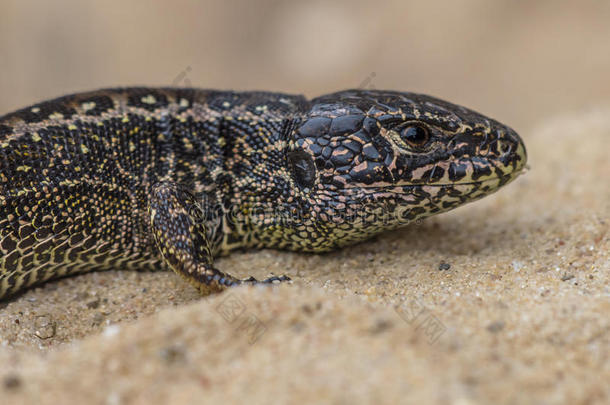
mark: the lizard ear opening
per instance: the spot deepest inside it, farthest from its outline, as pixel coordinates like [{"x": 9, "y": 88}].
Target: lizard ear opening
[{"x": 302, "y": 167}]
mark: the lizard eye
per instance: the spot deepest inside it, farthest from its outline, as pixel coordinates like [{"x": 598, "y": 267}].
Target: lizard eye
[
  {"x": 302, "y": 167},
  {"x": 415, "y": 135}
]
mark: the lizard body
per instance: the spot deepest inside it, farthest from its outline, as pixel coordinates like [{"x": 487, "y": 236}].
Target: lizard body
[{"x": 156, "y": 178}]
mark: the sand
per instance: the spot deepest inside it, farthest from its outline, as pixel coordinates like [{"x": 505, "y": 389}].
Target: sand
[{"x": 503, "y": 301}]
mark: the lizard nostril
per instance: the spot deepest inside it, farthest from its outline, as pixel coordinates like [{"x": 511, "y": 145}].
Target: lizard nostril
[{"x": 512, "y": 137}]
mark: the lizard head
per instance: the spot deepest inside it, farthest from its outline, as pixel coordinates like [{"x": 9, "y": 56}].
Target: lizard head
[{"x": 360, "y": 162}]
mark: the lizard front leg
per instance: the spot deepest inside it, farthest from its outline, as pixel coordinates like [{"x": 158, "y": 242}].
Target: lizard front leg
[{"x": 181, "y": 237}]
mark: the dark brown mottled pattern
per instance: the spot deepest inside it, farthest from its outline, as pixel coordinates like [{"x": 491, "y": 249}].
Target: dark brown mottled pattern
[{"x": 155, "y": 178}]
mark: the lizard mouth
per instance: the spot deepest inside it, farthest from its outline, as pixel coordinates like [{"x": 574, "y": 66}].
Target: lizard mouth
[
  {"x": 483, "y": 172},
  {"x": 504, "y": 179},
  {"x": 499, "y": 181}
]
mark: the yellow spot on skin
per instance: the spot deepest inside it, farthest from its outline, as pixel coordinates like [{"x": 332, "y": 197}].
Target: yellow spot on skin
[
  {"x": 23, "y": 168},
  {"x": 36, "y": 137},
  {"x": 125, "y": 119},
  {"x": 35, "y": 110},
  {"x": 150, "y": 99},
  {"x": 72, "y": 127},
  {"x": 88, "y": 106},
  {"x": 84, "y": 148},
  {"x": 132, "y": 147}
]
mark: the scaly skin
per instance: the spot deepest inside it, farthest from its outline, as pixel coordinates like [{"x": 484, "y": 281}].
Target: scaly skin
[{"x": 148, "y": 178}]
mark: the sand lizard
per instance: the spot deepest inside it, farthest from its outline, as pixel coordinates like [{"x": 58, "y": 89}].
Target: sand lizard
[{"x": 157, "y": 178}]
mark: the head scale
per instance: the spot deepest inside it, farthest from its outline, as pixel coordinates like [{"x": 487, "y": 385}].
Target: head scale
[{"x": 360, "y": 162}]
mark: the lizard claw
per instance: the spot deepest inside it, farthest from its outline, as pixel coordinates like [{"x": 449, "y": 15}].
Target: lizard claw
[
  {"x": 270, "y": 280},
  {"x": 276, "y": 279}
]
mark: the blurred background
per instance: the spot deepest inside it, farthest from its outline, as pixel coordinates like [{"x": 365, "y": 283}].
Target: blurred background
[{"x": 517, "y": 61}]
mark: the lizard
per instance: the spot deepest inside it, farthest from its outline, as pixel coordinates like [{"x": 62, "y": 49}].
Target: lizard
[{"x": 170, "y": 178}]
